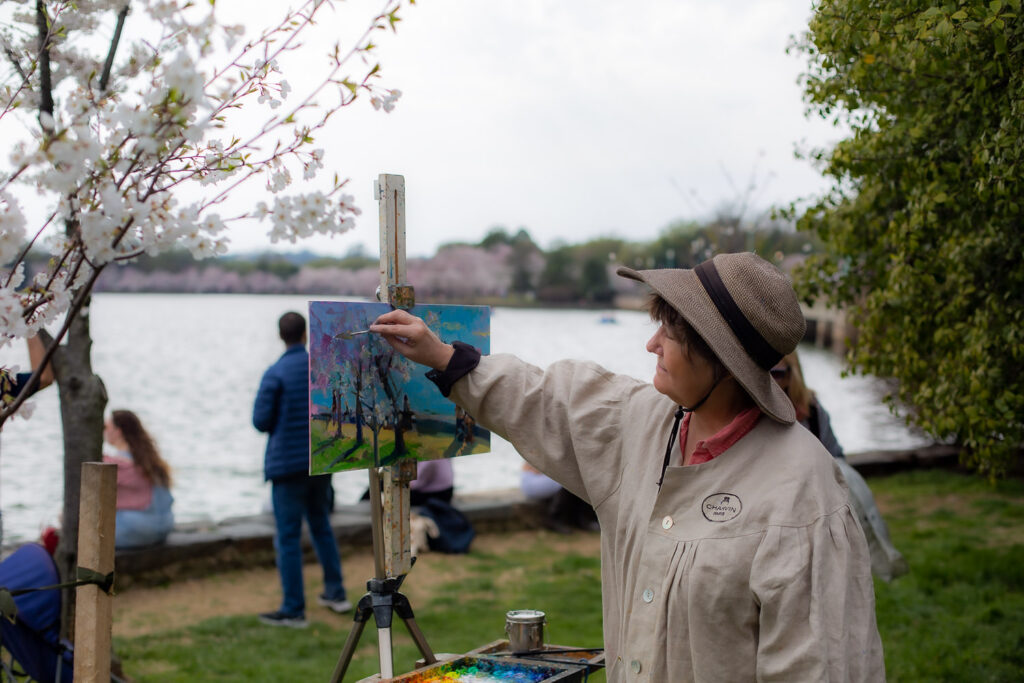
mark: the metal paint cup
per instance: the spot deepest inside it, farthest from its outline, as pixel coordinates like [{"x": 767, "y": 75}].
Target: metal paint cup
[{"x": 525, "y": 629}]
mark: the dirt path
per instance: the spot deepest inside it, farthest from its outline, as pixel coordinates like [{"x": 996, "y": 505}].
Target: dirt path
[{"x": 139, "y": 611}]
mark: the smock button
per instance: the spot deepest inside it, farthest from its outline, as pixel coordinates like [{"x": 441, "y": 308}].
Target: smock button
[
  {"x": 648, "y": 595},
  {"x": 635, "y": 666},
  {"x": 666, "y": 523}
]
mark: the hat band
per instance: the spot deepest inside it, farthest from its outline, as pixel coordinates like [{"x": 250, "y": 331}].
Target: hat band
[{"x": 756, "y": 346}]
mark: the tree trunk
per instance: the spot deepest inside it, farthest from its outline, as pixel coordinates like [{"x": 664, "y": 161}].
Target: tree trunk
[{"x": 83, "y": 398}]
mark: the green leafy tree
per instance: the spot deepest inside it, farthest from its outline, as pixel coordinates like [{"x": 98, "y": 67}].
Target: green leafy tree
[
  {"x": 525, "y": 260},
  {"x": 495, "y": 236},
  {"x": 559, "y": 281},
  {"x": 922, "y": 228}
]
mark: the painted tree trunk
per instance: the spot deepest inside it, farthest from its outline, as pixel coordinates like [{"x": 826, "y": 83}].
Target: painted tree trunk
[
  {"x": 359, "y": 410},
  {"x": 399, "y": 433},
  {"x": 83, "y": 398}
]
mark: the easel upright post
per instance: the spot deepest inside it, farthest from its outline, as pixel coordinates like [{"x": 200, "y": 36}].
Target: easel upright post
[
  {"x": 94, "y": 612},
  {"x": 389, "y": 504},
  {"x": 394, "y": 290}
]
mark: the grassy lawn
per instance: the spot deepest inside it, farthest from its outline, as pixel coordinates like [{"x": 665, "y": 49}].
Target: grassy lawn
[
  {"x": 464, "y": 610},
  {"x": 958, "y": 615}
]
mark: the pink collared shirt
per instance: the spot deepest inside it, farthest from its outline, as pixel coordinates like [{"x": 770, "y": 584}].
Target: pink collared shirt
[
  {"x": 714, "y": 446},
  {"x": 134, "y": 490}
]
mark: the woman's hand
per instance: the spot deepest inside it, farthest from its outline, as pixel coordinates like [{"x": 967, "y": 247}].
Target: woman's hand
[{"x": 411, "y": 337}]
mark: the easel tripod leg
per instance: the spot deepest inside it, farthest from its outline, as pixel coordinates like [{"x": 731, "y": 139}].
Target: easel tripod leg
[
  {"x": 403, "y": 608},
  {"x": 362, "y": 615},
  {"x": 421, "y": 641},
  {"x": 385, "y": 653}
]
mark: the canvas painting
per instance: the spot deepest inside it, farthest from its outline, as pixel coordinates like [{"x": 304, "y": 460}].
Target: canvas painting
[{"x": 369, "y": 406}]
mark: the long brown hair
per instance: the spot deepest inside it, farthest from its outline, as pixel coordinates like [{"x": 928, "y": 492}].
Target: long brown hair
[
  {"x": 142, "y": 447},
  {"x": 798, "y": 391}
]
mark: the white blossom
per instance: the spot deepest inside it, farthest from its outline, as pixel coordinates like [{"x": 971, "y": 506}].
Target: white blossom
[
  {"x": 110, "y": 165},
  {"x": 386, "y": 102},
  {"x": 12, "y": 227},
  {"x": 27, "y": 410}
]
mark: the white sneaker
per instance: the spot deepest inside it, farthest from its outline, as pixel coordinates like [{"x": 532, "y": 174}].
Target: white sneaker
[
  {"x": 279, "y": 618},
  {"x": 339, "y": 606}
]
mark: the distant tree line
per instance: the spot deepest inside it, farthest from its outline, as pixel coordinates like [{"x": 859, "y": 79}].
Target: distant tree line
[{"x": 504, "y": 266}]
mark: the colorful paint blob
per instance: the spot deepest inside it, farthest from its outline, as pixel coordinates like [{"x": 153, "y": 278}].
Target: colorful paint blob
[{"x": 483, "y": 671}]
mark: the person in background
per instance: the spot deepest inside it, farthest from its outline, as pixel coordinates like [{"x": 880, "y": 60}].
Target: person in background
[
  {"x": 563, "y": 511},
  {"x": 12, "y": 385},
  {"x": 144, "y": 515},
  {"x": 729, "y": 549},
  {"x": 887, "y": 562},
  {"x": 434, "y": 479},
  {"x": 281, "y": 410}
]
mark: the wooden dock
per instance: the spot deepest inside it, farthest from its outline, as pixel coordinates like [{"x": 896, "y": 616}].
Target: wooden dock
[{"x": 826, "y": 327}]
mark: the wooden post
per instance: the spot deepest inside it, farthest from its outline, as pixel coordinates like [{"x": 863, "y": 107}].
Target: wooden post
[
  {"x": 394, "y": 534},
  {"x": 94, "y": 607}
]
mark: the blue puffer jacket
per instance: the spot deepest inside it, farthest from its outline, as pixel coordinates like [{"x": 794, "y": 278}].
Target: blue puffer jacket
[{"x": 282, "y": 410}]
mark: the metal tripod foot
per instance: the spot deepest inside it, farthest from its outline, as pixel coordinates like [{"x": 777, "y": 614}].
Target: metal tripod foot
[{"x": 382, "y": 601}]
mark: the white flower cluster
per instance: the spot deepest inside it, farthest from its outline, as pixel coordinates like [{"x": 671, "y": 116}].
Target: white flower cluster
[
  {"x": 12, "y": 228},
  {"x": 273, "y": 94},
  {"x": 111, "y": 164},
  {"x": 386, "y": 102},
  {"x": 314, "y": 164},
  {"x": 305, "y": 215}
]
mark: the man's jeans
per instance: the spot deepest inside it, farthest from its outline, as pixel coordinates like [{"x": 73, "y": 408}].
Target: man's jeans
[{"x": 294, "y": 498}]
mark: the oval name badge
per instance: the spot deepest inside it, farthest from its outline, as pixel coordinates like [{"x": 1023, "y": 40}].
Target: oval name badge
[{"x": 721, "y": 507}]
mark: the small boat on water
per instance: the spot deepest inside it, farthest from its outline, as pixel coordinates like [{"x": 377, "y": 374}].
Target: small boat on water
[{"x": 608, "y": 319}]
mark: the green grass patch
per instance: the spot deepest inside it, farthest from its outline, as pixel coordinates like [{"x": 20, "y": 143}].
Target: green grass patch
[
  {"x": 460, "y": 615},
  {"x": 957, "y": 616}
]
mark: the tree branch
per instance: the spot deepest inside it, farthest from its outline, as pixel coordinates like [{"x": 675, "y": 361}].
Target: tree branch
[
  {"x": 109, "y": 64},
  {"x": 45, "y": 79}
]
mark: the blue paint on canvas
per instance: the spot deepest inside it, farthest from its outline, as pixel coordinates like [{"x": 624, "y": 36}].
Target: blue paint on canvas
[{"x": 365, "y": 399}]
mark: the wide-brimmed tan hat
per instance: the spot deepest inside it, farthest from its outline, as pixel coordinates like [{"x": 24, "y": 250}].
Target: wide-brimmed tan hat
[{"x": 747, "y": 312}]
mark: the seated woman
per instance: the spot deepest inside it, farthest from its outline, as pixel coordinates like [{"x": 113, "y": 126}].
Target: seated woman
[
  {"x": 144, "y": 501},
  {"x": 564, "y": 511},
  {"x": 434, "y": 479}
]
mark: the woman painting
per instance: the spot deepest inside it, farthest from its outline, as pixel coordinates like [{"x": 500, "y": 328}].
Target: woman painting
[
  {"x": 144, "y": 501},
  {"x": 729, "y": 548}
]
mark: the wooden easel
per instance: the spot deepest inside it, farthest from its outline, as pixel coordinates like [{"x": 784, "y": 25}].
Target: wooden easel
[{"x": 389, "y": 504}]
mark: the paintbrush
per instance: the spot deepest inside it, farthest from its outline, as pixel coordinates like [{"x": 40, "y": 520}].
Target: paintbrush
[{"x": 349, "y": 335}]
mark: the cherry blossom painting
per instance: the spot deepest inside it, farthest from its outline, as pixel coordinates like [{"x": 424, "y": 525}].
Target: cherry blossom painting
[{"x": 369, "y": 406}]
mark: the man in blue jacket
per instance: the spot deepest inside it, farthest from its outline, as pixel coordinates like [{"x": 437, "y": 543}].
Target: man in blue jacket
[{"x": 282, "y": 411}]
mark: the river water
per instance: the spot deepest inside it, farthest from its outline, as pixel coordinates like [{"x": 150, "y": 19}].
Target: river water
[{"x": 189, "y": 365}]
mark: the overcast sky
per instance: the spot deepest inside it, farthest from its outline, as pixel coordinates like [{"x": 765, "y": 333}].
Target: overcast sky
[{"x": 571, "y": 118}]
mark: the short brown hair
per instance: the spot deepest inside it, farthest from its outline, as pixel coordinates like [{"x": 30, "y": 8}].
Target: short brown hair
[
  {"x": 663, "y": 312},
  {"x": 291, "y": 326}
]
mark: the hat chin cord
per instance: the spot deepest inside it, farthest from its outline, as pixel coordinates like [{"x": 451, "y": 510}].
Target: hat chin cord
[{"x": 680, "y": 412}]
